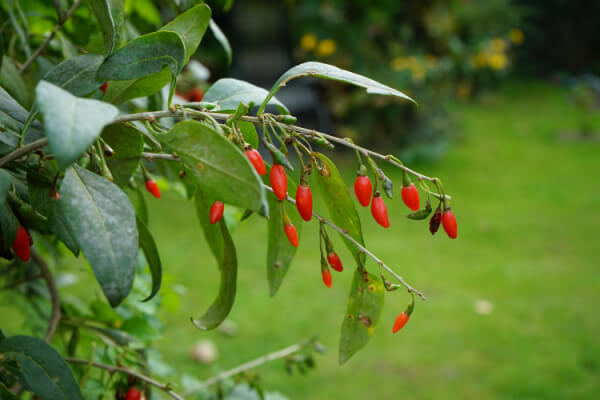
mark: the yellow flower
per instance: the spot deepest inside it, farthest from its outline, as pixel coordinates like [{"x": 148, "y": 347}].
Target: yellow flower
[
  {"x": 308, "y": 42},
  {"x": 418, "y": 73},
  {"x": 516, "y": 36},
  {"x": 498, "y": 45},
  {"x": 398, "y": 63},
  {"x": 479, "y": 60},
  {"x": 326, "y": 47},
  {"x": 497, "y": 61}
]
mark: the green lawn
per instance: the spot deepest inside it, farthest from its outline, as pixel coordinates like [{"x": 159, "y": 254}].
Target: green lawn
[{"x": 527, "y": 208}]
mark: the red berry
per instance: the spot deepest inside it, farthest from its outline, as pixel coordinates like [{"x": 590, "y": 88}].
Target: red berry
[
  {"x": 152, "y": 187},
  {"x": 410, "y": 196},
  {"x": 449, "y": 223},
  {"x": 196, "y": 94},
  {"x": 103, "y": 87},
  {"x": 22, "y": 244},
  {"x": 435, "y": 221},
  {"x": 216, "y": 211},
  {"x": 257, "y": 161},
  {"x": 379, "y": 211},
  {"x": 133, "y": 394},
  {"x": 326, "y": 274},
  {"x": 278, "y": 180},
  {"x": 363, "y": 189},
  {"x": 304, "y": 202},
  {"x": 334, "y": 260},
  {"x": 400, "y": 322},
  {"x": 290, "y": 232}
]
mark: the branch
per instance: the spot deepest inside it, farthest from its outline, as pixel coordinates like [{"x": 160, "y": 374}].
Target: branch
[
  {"x": 247, "y": 366},
  {"x": 54, "y": 299},
  {"x": 45, "y": 43},
  {"x": 110, "y": 368},
  {"x": 59, "y": 12},
  {"x": 21, "y": 151}
]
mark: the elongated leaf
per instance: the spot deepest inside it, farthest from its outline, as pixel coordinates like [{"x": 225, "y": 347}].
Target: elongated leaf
[
  {"x": 127, "y": 144},
  {"x": 149, "y": 247},
  {"x": 42, "y": 370},
  {"x": 362, "y": 313},
  {"x": 11, "y": 80},
  {"x": 111, "y": 19},
  {"x": 191, "y": 25},
  {"x": 5, "y": 180},
  {"x": 8, "y": 224},
  {"x": 76, "y": 75},
  {"x": 339, "y": 204},
  {"x": 103, "y": 222},
  {"x": 219, "y": 166},
  {"x": 326, "y": 71},
  {"x": 222, "y": 39},
  {"x": 228, "y": 93},
  {"x": 219, "y": 239},
  {"x": 248, "y": 132},
  {"x": 280, "y": 251},
  {"x": 12, "y": 117},
  {"x": 71, "y": 123},
  {"x": 119, "y": 92}
]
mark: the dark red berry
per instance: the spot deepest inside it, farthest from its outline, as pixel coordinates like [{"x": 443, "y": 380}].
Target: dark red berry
[
  {"x": 290, "y": 232},
  {"x": 216, "y": 211},
  {"x": 257, "y": 161},
  {"x": 195, "y": 94},
  {"x": 435, "y": 221},
  {"x": 326, "y": 274},
  {"x": 152, "y": 187},
  {"x": 278, "y": 180},
  {"x": 133, "y": 394},
  {"x": 304, "y": 202},
  {"x": 363, "y": 189},
  {"x": 410, "y": 196},
  {"x": 400, "y": 322},
  {"x": 103, "y": 87},
  {"x": 22, "y": 244},
  {"x": 334, "y": 260},
  {"x": 379, "y": 211},
  {"x": 449, "y": 223}
]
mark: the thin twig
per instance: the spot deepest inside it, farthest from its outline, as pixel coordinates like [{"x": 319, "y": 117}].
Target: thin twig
[
  {"x": 160, "y": 156},
  {"x": 110, "y": 368},
  {"x": 59, "y": 12},
  {"x": 21, "y": 151},
  {"x": 54, "y": 299},
  {"x": 45, "y": 43},
  {"x": 247, "y": 366},
  {"x": 360, "y": 247}
]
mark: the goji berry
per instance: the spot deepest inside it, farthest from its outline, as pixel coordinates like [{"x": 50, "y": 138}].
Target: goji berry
[
  {"x": 257, "y": 161},
  {"x": 133, "y": 394},
  {"x": 103, "y": 87},
  {"x": 278, "y": 180},
  {"x": 22, "y": 244},
  {"x": 304, "y": 201},
  {"x": 152, "y": 187},
  {"x": 290, "y": 232},
  {"x": 326, "y": 274},
  {"x": 410, "y": 196},
  {"x": 216, "y": 211},
  {"x": 449, "y": 223},
  {"x": 400, "y": 322},
  {"x": 334, "y": 260},
  {"x": 195, "y": 94},
  {"x": 379, "y": 211},
  {"x": 363, "y": 189},
  {"x": 435, "y": 221}
]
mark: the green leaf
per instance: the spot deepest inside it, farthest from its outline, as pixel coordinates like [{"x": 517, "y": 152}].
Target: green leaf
[
  {"x": 219, "y": 239},
  {"x": 339, "y": 204},
  {"x": 144, "y": 56},
  {"x": 191, "y": 25},
  {"x": 218, "y": 165},
  {"x": 76, "y": 75},
  {"x": 228, "y": 93},
  {"x": 8, "y": 224},
  {"x": 248, "y": 132},
  {"x": 12, "y": 82},
  {"x": 136, "y": 197},
  {"x": 326, "y": 71},
  {"x": 280, "y": 251},
  {"x": 119, "y": 92},
  {"x": 103, "y": 222},
  {"x": 140, "y": 328},
  {"x": 5, "y": 394},
  {"x": 149, "y": 247},
  {"x": 12, "y": 117},
  {"x": 71, "y": 123},
  {"x": 111, "y": 19},
  {"x": 362, "y": 313},
  {"x": 127, "y": 144},
  {"x": 222, "y": 39},
  {"x": 5, "y": 181},
  {"x": 42, "y": 370}
]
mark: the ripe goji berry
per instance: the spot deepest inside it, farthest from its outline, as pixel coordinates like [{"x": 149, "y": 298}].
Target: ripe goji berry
[
  {"x": 216, "y": 211},
  {"x": 195, "y": 94},
  {"x": 152, "y": 187},
  {"x": 400, "y": 322},
  {"x": 410, "y": 196},
  {"x": 304, "y": 201},
  {"x": 103, "y": 87},
  {"x": 379, "y": 211},
  {"x": 449, "y": 223},
  {"x": 334, "y": 260},
  {"x": 290, "y": 232},
  {"x": 22, "y": 244},
  {"x": 326, "y": 274},
  {"x": 363, "y": 189},
  {"x": 133, "y": 394},
  {"x": 435, "y": 221},
  {"x": 278, "y": 180},
  {"x": 257, "y": 161}
]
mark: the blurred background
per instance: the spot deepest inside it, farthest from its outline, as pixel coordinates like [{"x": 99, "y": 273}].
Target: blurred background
[{"x": 508, "y": 118}]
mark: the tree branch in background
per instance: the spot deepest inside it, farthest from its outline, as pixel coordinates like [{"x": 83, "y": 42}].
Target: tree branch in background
[{"x": 54, "y": 299}]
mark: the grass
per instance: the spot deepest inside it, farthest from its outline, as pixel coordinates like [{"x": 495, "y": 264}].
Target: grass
[{"x": 526, "y": 204}]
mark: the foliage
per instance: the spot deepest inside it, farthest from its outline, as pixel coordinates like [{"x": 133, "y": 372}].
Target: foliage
[{"x": 77, "y": 151}]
